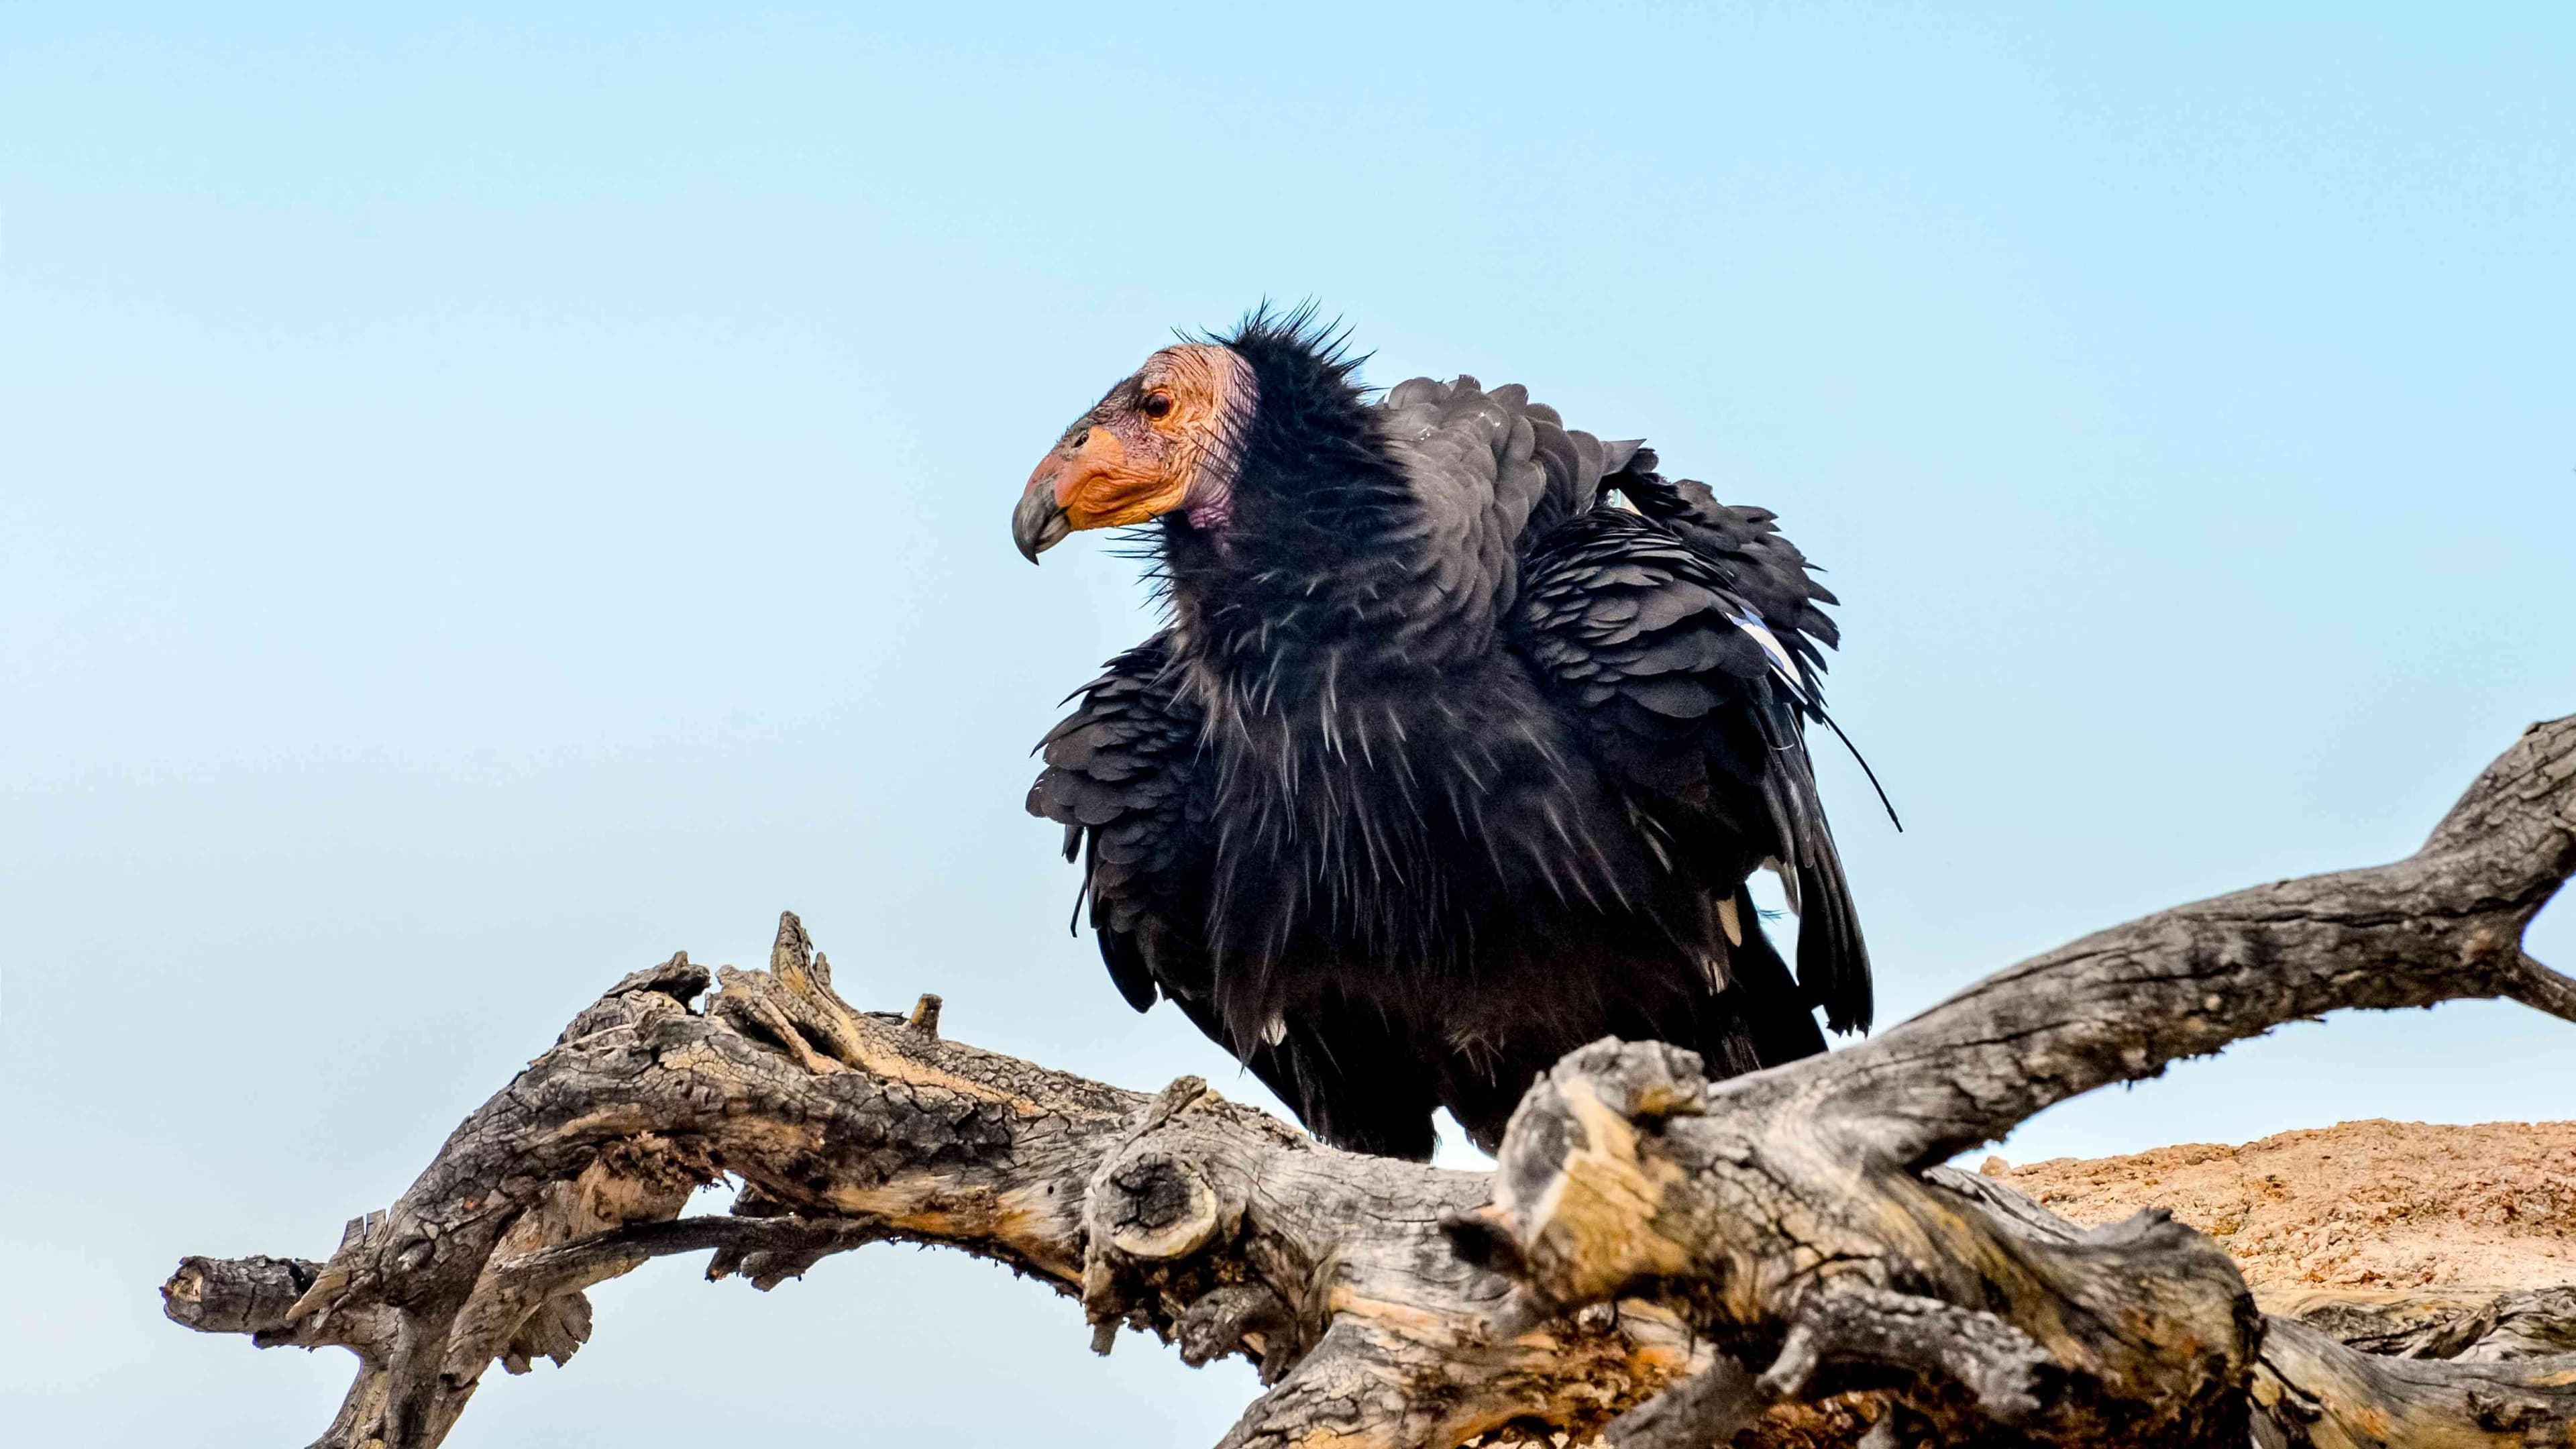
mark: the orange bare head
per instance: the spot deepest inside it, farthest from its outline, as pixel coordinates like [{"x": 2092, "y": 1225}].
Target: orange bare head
[{"x": 1166, "y": 438}]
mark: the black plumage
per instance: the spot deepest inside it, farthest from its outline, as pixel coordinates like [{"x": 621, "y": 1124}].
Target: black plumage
[{"x": 1463, "y": 735}]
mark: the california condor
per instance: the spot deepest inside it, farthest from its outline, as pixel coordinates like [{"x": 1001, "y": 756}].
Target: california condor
[{"x": 1463, "y": 735}]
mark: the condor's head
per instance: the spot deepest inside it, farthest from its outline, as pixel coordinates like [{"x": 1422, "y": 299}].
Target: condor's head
[{"x": 1255, "y": 438}]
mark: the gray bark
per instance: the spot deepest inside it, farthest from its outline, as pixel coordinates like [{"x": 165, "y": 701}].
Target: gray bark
[{"x": 1657, "y": 1260}]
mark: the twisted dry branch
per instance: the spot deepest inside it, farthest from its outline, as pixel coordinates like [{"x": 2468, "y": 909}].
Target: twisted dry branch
[{"x": 1646, "y": 1237}]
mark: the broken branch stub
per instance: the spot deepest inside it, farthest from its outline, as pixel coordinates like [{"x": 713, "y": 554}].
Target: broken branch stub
[{"x": 1657, "y": 1259}]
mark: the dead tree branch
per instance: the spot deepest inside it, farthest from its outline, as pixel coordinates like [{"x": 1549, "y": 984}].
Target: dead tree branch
[{"x": 1657, "y": 1258}]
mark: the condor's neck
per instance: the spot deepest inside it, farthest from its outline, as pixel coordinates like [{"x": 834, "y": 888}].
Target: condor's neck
[{"x": 1314, "y": 583}]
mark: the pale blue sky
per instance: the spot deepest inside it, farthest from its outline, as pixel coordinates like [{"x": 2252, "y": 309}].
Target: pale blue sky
[{"x": 485, "y": 502}]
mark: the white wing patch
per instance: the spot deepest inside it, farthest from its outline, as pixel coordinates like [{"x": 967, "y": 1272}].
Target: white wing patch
[{"x": 1782, "y": 665}]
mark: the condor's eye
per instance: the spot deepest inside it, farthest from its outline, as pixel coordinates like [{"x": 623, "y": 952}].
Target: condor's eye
[{"x": 1156, "y": 405}]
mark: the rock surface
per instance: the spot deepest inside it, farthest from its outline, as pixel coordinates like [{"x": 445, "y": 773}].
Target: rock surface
[{"x": 2373, "y": 1204}]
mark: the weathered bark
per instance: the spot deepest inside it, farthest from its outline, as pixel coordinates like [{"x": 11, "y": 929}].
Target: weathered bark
[
  {"x": 1646, "y": 1238},
  {"x": 2470, "y": 1325}
]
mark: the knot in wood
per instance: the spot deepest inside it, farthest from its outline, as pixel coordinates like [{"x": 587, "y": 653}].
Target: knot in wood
[{"x": 1155, "y": 1206}]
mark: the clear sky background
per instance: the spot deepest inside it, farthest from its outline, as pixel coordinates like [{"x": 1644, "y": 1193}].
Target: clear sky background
[{"x": 487, "y": 501}]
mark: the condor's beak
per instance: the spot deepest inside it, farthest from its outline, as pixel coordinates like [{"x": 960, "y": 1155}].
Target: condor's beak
[
  {"x": 1039, "y": 523},
  {"x": 1048, "y": 509}
]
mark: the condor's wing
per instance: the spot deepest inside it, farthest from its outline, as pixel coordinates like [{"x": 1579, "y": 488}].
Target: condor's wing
[
  {"x": 1491, "y": 471},
  {"x": 1122, "y": 777},
  {"x": 1118, "y": 778},
  {"x": 1687, "y": 646}
]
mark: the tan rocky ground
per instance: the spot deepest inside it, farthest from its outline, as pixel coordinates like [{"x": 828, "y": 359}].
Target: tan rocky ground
[{"x": 2376, "y": 1204}]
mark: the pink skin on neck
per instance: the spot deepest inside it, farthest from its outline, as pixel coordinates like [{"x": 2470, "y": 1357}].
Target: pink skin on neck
[{"x": 1210, "y": 515}]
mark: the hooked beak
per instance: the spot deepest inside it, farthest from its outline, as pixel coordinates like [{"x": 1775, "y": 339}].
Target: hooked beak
[
  {"x": 1039, "y": 523},
  {"x": 1063, "y": 490}
]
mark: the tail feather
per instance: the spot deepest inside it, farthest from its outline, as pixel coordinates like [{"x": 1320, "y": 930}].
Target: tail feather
[{"x": 1833, "y": 960}]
